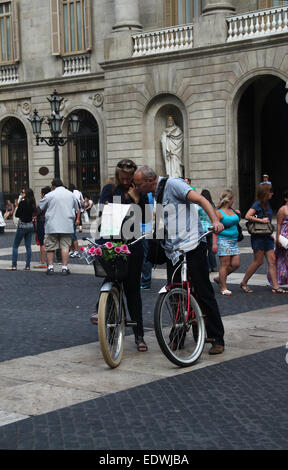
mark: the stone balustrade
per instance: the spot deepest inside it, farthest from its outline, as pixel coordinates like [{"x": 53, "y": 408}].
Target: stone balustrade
[
  {"x": 258, "y": 23},
  {"x": 76, "y": 65},
  {"x": 163, "y": 40},
  {"x": 8, "y": 74}
]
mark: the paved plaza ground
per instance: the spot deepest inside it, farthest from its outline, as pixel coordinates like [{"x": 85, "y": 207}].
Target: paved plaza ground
[{"x": 57, "y": 392}]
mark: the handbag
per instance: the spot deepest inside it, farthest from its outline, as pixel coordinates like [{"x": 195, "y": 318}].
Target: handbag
[
  {"x": 240, "y": 232},
  {"x": 156, "y": 253},
  {"x": 258, "y": 228}
]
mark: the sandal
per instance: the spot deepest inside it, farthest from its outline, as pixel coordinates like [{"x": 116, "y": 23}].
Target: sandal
[
  {"x": 141, "y": 345},
  {"x": 27, "y": 268},
  {"x": 246, "y": 289},
  {"x": 279, "y": 290},
  {"x": 226, "y": 292},
  {"x": 13, "y": 268},
  {"x": 94, "y": 318}
]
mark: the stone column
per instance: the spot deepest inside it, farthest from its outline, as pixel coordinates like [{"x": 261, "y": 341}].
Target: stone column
[
  {"x": 211, "y": 27},
  {"x": 211, "y": 7},
  {"x": 127, "y": 15},
  {"x": 118, "y": 44}
]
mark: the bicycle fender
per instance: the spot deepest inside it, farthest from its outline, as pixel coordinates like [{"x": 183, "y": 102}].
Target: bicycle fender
[
  {"x": 107, "y": 286},
  {"x": 167, "y": 287},
  {"x": 163, "y": 290}
]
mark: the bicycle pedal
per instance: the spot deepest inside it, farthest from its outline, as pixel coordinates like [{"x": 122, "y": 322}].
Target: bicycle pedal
[{"x": 130, "y": 324}]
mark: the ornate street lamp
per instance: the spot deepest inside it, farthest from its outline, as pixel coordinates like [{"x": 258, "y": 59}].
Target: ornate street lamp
[{"x": 55, "y": 125}]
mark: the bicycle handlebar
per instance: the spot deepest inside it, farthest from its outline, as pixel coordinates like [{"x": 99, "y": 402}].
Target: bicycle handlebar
[{"x": 210, "y": 230}]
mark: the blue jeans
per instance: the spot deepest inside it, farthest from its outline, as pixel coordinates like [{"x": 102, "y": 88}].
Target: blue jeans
[{"x": 27, "y": 235}]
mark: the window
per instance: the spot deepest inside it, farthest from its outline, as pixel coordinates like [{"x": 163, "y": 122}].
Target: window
[
  {"x": 271, "y": 3},
  {"x": 182, "y": 11},
  {"x": 71, "y": 26},
  {"x": 9, "y": 38},
  {"x": 84, "y": 158}
]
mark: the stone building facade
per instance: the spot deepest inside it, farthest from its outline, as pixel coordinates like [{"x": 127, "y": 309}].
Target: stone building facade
[{"x": 124, "y": 66}]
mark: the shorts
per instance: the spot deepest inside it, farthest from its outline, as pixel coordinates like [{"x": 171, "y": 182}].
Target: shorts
[
  {"x": 40, "y": 233},
  {"x": 227, "y": 247},
  {"x": 262, "y": 242},
  {"x": 53, "y": 241}
]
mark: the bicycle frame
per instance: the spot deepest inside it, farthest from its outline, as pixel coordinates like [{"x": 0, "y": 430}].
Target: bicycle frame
[{"x": 184, "y": 272}]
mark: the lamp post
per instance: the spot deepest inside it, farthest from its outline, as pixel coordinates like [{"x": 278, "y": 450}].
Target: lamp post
[{"x": 55, "y": 121}]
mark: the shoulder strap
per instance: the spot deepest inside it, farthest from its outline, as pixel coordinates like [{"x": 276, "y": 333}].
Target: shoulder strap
[{"x": 161, "y": 188}]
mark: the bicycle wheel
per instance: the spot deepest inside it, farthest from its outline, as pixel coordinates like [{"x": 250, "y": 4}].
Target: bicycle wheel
[
  {"x": 180, "y": 334},
  {"x": 110, "y": 329}
]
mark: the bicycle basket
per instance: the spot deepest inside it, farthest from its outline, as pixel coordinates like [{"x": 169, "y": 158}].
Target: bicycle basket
[
  {"x": 98, "y": 269},
  {"x": 87, "y": 256},
  {"x": 116, "y": 269}
]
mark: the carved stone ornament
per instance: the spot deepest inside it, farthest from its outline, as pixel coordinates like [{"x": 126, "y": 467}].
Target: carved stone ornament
[
  {"x": 43, "y": 170},
  {"x": 63, "y": 104},
  {"x": 97, "y": 99},
  {"x": 26, "y": 107}
]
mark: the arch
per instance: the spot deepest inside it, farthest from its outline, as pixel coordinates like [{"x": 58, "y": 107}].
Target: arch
[
  {"x": 15, "y": 162},
  {"x": 155, "y": 121},
  {"x": 265, "y": 79}
]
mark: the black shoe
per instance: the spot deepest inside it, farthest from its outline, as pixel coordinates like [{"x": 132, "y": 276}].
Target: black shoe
[
  {"x": 141, "y": 345},
  {"x": 65, "y": 272},
  {"x": 50, "y": 271}
]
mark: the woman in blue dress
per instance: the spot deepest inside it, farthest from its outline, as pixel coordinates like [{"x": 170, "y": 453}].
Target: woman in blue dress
[
  {"x": 262, "y": 245},
  {"x": 226, "y": 242}
]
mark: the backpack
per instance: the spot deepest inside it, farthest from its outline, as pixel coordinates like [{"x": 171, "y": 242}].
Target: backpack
[{"x": 156, "y": 253}]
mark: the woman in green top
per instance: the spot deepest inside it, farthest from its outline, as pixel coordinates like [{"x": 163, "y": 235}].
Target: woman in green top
[{"x": 226, "y": 242}]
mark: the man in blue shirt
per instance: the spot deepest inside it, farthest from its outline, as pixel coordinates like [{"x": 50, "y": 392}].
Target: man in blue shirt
[{"x": 182, "y": 231}]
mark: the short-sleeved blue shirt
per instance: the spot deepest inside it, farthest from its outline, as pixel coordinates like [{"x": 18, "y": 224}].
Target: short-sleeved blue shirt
[
  {"x": 181, "y": 220},
  {"x": 260, "y": 212}
]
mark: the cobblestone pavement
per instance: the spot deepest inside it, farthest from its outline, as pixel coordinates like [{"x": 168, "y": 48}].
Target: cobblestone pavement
[{"x": 236, "y": 404}]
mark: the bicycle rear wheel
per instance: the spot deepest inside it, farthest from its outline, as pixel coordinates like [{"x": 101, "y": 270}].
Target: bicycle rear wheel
[
  {"x": 180, "y": 333},
  {"x": 110, "y": 330}
]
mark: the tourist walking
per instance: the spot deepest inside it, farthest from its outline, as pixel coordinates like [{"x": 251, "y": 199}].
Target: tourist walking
[
  {"x": 60, "y": 206},
  {"x": 281, "y": 247},
  {"x": 226, "y": 242},
  {"x": 25, "y": 212},
  {"x": 262, "y": 245}
]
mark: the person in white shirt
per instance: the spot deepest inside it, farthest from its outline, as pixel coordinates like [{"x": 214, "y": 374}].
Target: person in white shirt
[{"x": 61, "y": 208}]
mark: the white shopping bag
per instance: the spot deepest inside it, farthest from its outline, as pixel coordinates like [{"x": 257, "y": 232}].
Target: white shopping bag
[
  {"x": 112, "y": 219},
  {"x": 2, "y": 222},
  {"x": 283, "y": 241}
]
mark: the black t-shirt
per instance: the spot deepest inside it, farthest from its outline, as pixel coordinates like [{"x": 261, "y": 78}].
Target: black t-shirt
[{"x": 25, "y": 211}]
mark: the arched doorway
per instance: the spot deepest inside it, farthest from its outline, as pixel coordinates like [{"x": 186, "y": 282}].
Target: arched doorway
[
  {"x": 262, "y": 127},
  {"x": 84, "y": 158},
  {"x": 14, "y": 158}
]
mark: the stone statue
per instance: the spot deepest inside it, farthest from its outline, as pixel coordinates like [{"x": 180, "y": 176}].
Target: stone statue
[{"x": 172, "y": 148}]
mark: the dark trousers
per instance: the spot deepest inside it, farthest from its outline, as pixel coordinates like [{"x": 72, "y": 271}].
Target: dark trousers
[
  {"x": 199, "y": 273},
  {"x": 131, "y": 287}
]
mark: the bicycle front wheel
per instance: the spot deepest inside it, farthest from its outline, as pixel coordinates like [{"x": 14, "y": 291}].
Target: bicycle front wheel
[
  {"x": 111, "y": 329},
  {"x": 179, "y": 327}
]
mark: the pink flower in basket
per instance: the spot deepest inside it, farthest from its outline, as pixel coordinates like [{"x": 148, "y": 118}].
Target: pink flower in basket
[
  {"x": 125, "y": 250},
  {"x": 92, "y": 250},
  {"x": 109, "y": 245},
  {"x": 117, "y": 249},
  {"x": 82, "y": 248},
  {"x": 98, "y": 251}
]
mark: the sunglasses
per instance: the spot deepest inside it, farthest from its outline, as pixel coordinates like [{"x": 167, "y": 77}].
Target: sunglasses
[{"x": 126, "y": 165}]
